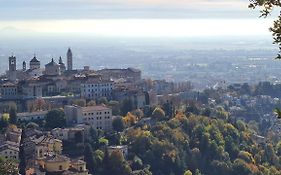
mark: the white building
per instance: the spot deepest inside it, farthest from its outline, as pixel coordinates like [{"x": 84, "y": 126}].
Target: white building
[
  {"x": 99, "y": 117},
  {"x": 9, "y": 150},
  {"x": 95, "y": 89},
  {"x": 31, "y": 116},
  {"x": 8, "y": 90},
  {"x": 69, "y": 134}
]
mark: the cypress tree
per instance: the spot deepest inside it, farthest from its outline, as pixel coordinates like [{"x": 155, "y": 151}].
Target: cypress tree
[
  {"x": 88, "y": 157},
  {"x": 22, "y": 164}
]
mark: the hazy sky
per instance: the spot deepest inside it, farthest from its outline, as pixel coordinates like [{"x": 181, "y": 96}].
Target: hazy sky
[
  {"x": 88, "y": 9},
  {"x": 131, "y": 17}
]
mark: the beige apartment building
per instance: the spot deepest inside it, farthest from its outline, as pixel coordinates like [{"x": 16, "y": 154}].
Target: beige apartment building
[{"x": 99, "y": 117}]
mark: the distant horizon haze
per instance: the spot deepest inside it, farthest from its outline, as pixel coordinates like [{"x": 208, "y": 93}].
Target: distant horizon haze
[{"x": 151, "y": 28}]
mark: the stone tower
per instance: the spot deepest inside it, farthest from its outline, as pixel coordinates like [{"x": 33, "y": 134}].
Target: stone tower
[
  {"x": 24, "y": 66},
  {"x": 62, "y": 65},
  {"x": 69, "y": 59},
  {"x": 12, "y": 68},
  {"x": 34, "y": 63}
]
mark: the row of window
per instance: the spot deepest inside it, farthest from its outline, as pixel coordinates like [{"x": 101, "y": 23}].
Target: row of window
[
  {"x": 9, "y": 90},
  {"x": 97, "y": 85},
  {"x": 10, "y": 93},
  {"x": 32, "y": 118},
  {"x": 11, "y": 152},
  {"x": 95, "y": 90},
  {"x": 97, "y": 113},
  {"x": 98, "y": 118},
  {"x": 101, "y": 95},
  {"x": 11, "y": 157}
]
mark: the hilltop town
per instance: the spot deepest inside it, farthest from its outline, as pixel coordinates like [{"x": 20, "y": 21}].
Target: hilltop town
[
  {"x": 60, "y": 120},
  {"x": 55, "y": 106}
]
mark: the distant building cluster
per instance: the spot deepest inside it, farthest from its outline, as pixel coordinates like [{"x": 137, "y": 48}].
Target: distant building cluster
[
  {"x": 10, "y": 142},
  {"x": 58, "y": 79}
]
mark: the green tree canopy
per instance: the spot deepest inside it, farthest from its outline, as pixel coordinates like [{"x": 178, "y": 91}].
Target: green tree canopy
[
  {"x": 118, "y": 124},
  {"x": 13, "y": 116},
  {"x": 55, "y": 118},
  {"x": 88, "y": 157},
  {"x": 8, "y": 167},
  {"x": 158, "y": 114}
]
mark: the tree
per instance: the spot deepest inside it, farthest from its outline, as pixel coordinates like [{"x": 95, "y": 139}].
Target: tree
[
  {"x": 88, "y": 157},
  {"x": 91, "y": 103},
  {"x": 168, "y": 108},
  {"x": 118, "y": 124},
  {"x": 8, "y": 167},
  {"x": 158, "y": 114},
  {"x": 13, "y": 116},
  {"x": 115, "y": 106},
  {"x": 105, "y": 162},
  {"x": 79, "y": 137},
  {"x": 267, "y": 7},
  {"x": 188, "y": 172},
  {"x": 137, "y": 163},
  {"x": 118, "y": 166},
  {"x": 138, "y": 113},
  {"x": 55, "y": 118},
  {"x": 80, "y": 102},
  {"x": 130, "y": 119},
  {"x": 4, "y": 122},
  {"x": 98, "y": 156},
  {"x": 22, "y": 164},
  {"x": 126, "y": 106},
  {"x": 103, "y": 100}
]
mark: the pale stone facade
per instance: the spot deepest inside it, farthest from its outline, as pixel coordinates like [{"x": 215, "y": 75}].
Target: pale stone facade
[{"x": 99, "y": 117}]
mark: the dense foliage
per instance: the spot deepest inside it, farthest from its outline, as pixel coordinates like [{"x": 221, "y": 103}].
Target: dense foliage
[
  {"x": 199, "y": 144},
  {"x": 8, "y": 167},
  {"x": 55, "y": 118}
]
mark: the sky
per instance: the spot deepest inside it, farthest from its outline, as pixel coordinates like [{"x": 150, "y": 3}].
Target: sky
[{"x": 153, "y": 18}]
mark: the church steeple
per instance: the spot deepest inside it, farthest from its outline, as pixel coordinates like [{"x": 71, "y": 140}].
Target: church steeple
[
  {"x": 69, "y": 59},
  {"x": 24, "y": 66},
  {"x": 60, "y": 61},
  {"x": 62, "y": 65}
]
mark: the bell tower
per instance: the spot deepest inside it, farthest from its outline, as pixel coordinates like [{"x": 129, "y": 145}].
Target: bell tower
[
  {"x": 12, "y": 68},
  {"x": 24, "y": 66},
  {"x": 69, "y": 59}
]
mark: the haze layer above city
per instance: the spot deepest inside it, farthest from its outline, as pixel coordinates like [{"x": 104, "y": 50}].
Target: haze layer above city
[{"x": 172, "y": 40}]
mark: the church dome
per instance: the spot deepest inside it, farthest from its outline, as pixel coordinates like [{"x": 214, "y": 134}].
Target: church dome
[
  {"x": 52, "y": 63},
  {"x": 34, "y": 60}
]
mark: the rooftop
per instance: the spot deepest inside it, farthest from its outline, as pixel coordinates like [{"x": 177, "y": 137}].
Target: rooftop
[
  {"x": 52, "y": 63},
  {"x": 95, "y": 108},
  {"x": 9, "y": 145},
  {"x": 26, "y": 114},
  {"x": 57, "y": 158},
  {"x": 34, "y": 60}
]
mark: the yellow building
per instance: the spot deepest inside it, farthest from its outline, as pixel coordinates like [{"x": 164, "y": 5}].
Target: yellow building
[
  {"x": 47, "y": 145},
  {"x": 62, "y": 164},
  {"x": 56, "y": 163}
]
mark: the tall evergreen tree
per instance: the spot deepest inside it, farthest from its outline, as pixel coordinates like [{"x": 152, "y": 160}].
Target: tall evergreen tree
[
  {"x": 88, "y": 157},
  {"x": 22, "y": 164},
  {"x": 106, "y": 162},
  {"x": 13, "y": 116},
  {"x": 127, "y": 106}
]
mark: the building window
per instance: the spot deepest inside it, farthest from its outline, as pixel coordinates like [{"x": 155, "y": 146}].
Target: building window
[{"x": 60, "y": 167}]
